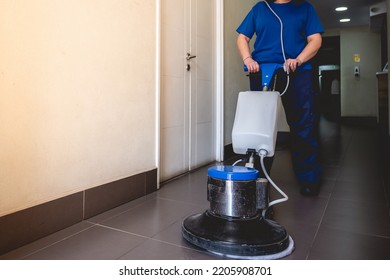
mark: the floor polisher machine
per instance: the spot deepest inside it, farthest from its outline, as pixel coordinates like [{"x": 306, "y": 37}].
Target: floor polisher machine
[{"x": 236, "y": 224}]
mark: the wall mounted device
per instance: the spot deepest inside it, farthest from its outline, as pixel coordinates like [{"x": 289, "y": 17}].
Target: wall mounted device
[{"x": 356, "y": 71}]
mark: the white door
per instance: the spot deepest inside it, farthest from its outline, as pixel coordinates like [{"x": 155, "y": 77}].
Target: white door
[{"x": 187, "y": 86}]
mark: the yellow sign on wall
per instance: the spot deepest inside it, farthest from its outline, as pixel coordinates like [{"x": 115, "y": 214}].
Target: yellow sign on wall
[{"x": 356, "y": 57}]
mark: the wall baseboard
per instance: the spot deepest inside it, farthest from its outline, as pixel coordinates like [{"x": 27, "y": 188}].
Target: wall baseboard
[{"x": 28, "y": 225}]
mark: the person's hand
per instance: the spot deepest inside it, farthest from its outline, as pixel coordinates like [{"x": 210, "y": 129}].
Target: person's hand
[
  {"x": 252, "y": 65},
  {"x": 292, "y": 64}
]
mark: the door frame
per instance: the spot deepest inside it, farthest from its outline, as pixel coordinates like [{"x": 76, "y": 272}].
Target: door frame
[
  {"x": 219, "y": 80},
  {"x": 218, "y": 70}
]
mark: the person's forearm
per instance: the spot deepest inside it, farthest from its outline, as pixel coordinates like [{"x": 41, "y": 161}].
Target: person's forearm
[
  {"x": 313, "y": 45},
  {"x": 243, "y": 46}
]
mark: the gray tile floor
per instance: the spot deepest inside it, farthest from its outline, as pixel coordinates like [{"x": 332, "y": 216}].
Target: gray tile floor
[{"x": 348, "y": 220}]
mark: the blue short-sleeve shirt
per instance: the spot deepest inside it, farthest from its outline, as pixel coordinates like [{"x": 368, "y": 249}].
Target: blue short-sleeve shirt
[{"x": 299, "y": 22}]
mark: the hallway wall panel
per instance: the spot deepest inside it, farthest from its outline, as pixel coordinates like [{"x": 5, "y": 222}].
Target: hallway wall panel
[{"x": 77, "y": 96}]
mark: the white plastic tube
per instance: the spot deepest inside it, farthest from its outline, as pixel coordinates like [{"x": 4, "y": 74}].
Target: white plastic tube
[
  {"x": 263, "y": 154},
  {"x": 282, "y": 45}
]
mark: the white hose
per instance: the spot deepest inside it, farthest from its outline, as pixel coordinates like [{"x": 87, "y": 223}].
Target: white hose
[
  {"x": 282, "y": 44},
  {"x": 263, "y": 154}
]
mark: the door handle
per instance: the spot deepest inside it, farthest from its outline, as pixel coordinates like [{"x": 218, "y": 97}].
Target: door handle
[{"x": 189, "y": 56}]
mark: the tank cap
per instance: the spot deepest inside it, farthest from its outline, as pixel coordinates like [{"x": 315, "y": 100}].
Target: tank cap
[{"x": 233, "y": 173}]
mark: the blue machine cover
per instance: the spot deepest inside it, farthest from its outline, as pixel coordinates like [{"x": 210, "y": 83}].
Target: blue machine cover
[{"x": 233, "y": 173}]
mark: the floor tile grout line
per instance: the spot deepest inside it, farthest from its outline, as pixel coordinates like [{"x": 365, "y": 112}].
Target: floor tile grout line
[
  {"x": 367, "y": 202},
  {"x": 56, "y": 242},
  {"x": 164, "y": 242},
  {"x": 181, "y": 201},
  {"x": 358, "y": 233},
  {"x": 119, "y": 213},
  {"x": 319, "y": 226},
  {"x": 147, "y": 238},
  {"x": 139, "y": 205},
  {"x": 135, "y": 234},
  {"x": 342, "y": 160},
  {"x": 122, "y": 231},
  {"x": 111, "y": 217}
]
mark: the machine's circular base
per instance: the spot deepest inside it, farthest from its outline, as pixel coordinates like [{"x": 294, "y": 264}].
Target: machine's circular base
[{"x": 256, "y": 238}]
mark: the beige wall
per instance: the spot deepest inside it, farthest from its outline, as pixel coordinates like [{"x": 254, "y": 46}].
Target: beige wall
[
  {"x": 359, "y": 95},
  {"x": 77, "y": 96}
]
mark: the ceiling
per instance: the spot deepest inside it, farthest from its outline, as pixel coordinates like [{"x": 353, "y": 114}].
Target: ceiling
[{"x": 358, "y": 11}]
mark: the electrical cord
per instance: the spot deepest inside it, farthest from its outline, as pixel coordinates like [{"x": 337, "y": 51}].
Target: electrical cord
[
  {"x": 263, "y": 154},
  {"x": 282, "y": 45}
]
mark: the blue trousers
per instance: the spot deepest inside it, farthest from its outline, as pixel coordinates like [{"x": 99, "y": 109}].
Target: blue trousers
[{"x": 299, "y": 105}]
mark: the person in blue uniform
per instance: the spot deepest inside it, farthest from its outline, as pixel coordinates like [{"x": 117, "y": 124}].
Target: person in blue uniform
[{"x": 302, "y": 39}]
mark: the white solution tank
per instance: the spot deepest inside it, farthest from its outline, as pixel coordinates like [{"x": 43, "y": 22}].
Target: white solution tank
[{"x": 256, "y": 121}]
